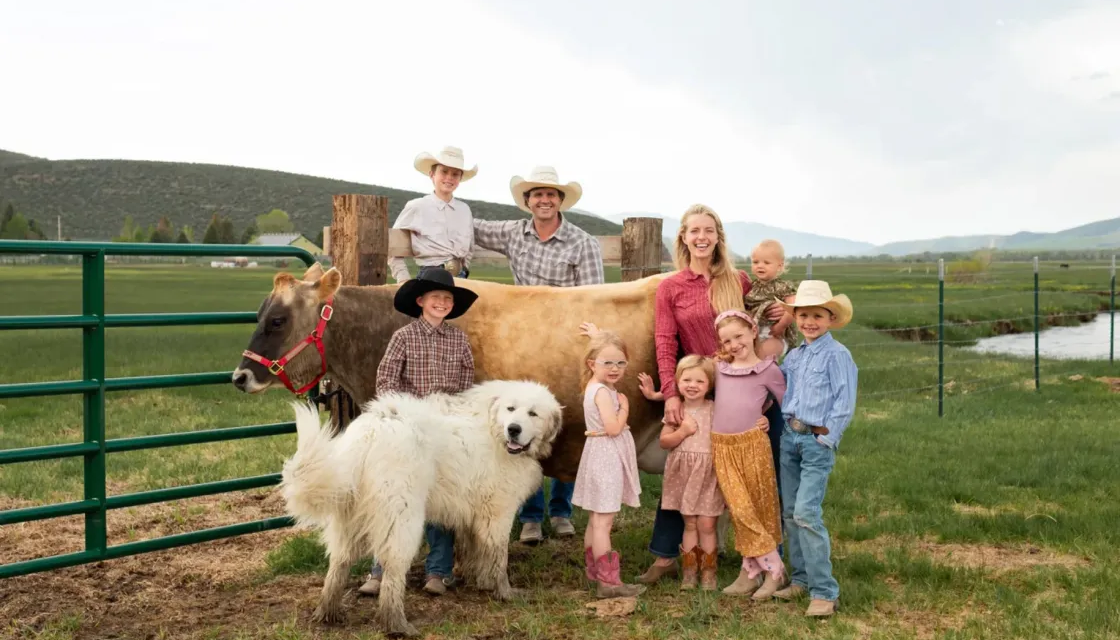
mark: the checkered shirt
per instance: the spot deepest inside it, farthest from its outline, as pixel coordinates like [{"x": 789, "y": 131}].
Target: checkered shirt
[
  {"x": 571, "y": 257},
  {"x": 422, "y": 359}
]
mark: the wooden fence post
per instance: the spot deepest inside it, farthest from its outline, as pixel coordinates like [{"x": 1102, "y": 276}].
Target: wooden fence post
[
  {"x": 641, "y": 248},
  {"x": 359, "y": 249}
]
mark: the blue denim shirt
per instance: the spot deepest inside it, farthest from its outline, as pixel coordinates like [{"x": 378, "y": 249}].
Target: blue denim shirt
[{"x": 821, "y": 386}]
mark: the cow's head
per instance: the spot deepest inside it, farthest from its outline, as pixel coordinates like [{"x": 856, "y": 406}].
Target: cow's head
[{"x": 287, "y": 316}]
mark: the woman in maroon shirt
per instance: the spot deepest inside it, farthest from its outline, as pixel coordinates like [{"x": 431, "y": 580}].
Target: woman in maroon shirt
[{"x": 687, "y": 302}]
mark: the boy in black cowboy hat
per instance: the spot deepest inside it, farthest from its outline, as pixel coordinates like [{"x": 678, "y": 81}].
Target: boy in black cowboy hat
[{"x": 428, "y": 356}]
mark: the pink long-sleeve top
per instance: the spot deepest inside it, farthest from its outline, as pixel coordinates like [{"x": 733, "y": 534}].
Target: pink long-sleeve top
[{"x": 684, "y": 320}]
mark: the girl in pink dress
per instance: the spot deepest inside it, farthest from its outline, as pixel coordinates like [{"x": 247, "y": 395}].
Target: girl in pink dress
[
  {"x": 689, "y": 483},
  {"x": 608, "y": 469}
]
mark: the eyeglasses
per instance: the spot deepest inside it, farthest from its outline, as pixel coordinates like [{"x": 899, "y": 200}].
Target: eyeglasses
[{"x": 612, "y": 364}]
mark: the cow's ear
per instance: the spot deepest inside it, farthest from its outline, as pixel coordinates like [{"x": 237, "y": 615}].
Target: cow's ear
[
  {"x": 282, "y": 281},
  {"x": 328, "y": 285},
  {"x": 313, "y": 273}
]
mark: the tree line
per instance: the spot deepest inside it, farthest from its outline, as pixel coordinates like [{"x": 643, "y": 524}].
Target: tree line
[
  {"x": 14, "y": 226},
  {"x": 220, "y": 230}
]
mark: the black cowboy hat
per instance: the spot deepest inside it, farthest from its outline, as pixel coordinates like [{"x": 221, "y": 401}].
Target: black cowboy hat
[{"x": 432, "y": 279}]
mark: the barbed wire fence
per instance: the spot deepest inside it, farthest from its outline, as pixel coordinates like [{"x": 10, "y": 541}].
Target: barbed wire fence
[{"x": 944, "y": 359}]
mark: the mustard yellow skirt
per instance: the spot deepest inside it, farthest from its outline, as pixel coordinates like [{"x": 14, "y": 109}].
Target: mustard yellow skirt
[{"x": 745, "y": 469}]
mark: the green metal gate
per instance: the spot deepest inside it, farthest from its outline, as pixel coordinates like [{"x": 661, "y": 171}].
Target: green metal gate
[{"x": 93, "y": 321}]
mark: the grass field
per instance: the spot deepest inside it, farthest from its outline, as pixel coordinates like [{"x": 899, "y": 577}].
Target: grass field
[{"x": 996, "y": 521}]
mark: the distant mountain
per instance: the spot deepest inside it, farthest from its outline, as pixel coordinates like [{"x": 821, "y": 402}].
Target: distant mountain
[
  {"x": 1103, "y": 234},
  {"x": 743, "y": 236},
  {"x": 94, "y": 196}
]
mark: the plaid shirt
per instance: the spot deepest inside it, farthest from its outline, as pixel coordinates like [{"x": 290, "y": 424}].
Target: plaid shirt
[
  {"x": 422, "y": 359},
  {"x": 571, "y": 257}
]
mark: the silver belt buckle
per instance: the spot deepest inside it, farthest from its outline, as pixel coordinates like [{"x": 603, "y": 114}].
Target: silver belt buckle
[{"x": 798, "y": 426}]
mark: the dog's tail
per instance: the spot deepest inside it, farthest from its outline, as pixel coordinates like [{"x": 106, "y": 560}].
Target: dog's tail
[{"x": 311, "y": 485}]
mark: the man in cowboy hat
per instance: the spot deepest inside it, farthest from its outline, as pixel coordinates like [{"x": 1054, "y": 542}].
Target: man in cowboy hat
[
  {"x": 545, "y": 250},
  {"x": 423, "y": 357},
  {"x": 820, "y": 399},
  {"x": 439, "y": 224}
]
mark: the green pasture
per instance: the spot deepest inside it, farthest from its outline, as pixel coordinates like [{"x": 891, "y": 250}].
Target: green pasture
[{"x": 1017, "y": 472}]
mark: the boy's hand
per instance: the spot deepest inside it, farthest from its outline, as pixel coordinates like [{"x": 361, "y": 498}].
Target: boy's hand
[
  {"x": 588, "y": 329},
  {"x": 645, "y": 385},
  {"x": 763, "y": 423}
]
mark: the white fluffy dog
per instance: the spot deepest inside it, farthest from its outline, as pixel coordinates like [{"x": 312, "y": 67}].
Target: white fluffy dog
[{"x": 464, "y": 461}]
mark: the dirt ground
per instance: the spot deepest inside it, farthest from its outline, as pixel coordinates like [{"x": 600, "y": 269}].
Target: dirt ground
[{"x": 185, "y": 592}]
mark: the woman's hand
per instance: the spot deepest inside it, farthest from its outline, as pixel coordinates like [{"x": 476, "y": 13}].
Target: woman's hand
[
  {"x": 775, "y": 312},
  {"x": 645, "y": 385},
  {"x": 673, "y": 410}
]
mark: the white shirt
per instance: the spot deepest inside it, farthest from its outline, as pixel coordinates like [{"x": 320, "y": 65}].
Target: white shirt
[{"x": 440, "y": 231}]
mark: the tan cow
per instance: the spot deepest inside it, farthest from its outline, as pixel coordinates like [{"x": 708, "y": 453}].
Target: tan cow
[{"x": 515, "y": 332}]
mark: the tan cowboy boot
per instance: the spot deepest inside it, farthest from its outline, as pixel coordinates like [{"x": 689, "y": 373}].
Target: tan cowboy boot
[
  {"x": 744, "y": 585},
  {"x": 562, "y": 527},
  {"x": 610, "y": 584},
  {"x": 690, "y": 564},
  {"x": 769, "y": 587},
  {"x": 655, "y": 573},
  {"x": 792, "y": 592},
  {"x": 708, "y": 580},
  {"x": 820, "y": 608}
]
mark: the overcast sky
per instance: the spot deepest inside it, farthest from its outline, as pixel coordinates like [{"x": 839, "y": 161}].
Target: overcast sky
[{"x": 873, "y": 120}]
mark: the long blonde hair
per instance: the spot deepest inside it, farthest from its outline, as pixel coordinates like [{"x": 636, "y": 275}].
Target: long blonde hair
[
  {"x": 725, "y": 290},
  {"x": 601, "y": 341}
]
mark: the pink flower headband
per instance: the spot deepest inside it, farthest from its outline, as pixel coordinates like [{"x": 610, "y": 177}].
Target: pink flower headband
[{"x": 738, "y": 314}]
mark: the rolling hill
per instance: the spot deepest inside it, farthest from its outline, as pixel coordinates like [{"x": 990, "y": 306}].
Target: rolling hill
[
  {"x": 1103, "y": 234},
  {"x": 94, "y": 196}
]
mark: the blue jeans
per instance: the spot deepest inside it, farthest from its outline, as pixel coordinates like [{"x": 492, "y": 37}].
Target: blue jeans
[
  {"x": 441, "y": 552},
  {"x": 806, "y": 465},
  {"x": 668, "y": 526},
  {"x": 559, "y": 505}
]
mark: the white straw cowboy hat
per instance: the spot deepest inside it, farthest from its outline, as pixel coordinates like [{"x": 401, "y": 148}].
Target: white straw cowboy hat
[
  {"x": 544, "y": 177},
  {"x": 448, "y": 157},
  {"x": 817, "y": 293}
]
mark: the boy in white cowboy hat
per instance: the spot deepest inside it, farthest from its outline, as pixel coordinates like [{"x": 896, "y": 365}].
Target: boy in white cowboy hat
[
  {"x": 423, "y": 357},
  {"x": 439, "y": 224},
  {"x": 545, "y": 250},
  {"x": 820, "y": 399}
]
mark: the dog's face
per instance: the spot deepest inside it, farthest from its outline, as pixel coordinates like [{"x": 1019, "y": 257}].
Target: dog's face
[{"x": 526, "y": 417}]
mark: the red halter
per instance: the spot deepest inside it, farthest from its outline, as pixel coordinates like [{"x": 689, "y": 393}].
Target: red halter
[{"x": 276, "y": 367}]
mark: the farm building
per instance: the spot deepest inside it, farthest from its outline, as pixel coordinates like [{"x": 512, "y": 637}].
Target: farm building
[{"x": 287, "y": 240}]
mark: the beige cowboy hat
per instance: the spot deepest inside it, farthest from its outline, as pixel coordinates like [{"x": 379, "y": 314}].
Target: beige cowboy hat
[
  {"x": 544, "y": 177},
  {"x": 817, "y": 293},
  {"x": 448, "y": 157}
]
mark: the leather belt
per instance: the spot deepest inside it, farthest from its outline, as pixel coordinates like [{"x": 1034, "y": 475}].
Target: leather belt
[{"x": 803, "y": 427}]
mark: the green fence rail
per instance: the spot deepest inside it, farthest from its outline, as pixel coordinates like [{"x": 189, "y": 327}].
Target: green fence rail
[{"x": 93, "y": 321}]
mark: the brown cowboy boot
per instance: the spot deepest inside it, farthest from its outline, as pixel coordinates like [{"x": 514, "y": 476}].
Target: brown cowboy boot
[
  {"x": 610, "y": 585},
  {"x": 708, "y": 580},
  {"x": 690, "y": 564}
]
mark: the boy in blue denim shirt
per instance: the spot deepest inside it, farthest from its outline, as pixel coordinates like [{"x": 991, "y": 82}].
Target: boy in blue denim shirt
[{"x": 820, "y": 399}]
